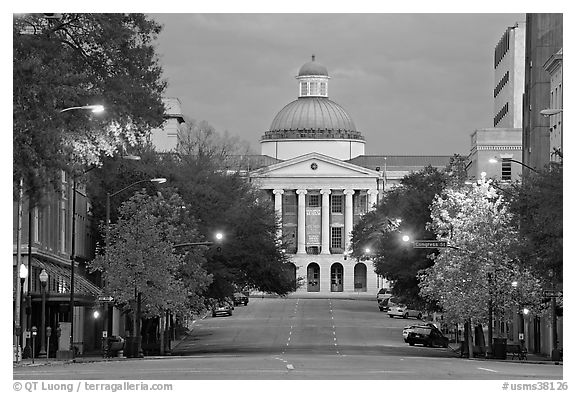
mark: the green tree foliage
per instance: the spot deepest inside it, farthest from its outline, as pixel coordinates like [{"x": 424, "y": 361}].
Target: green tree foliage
[
  {"x": 249, "y": 256},
  {"x": 537, "y": 203},
  {"x": 220, "y": 200},
  {"x": 140, "y": 257},
  {"x": 380, "y": 231},
  {"x": 77, "y": 60},
  {"x": 483, "y": 263}
]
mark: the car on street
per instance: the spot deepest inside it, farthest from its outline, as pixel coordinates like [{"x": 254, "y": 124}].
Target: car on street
[
  {"x": 383, "y": 304},
  {"x": 427, "y": 336},
  {"x": 401, "y": 310},
  {"x": 240, "y": 298},
  {"x": 383, "y": 293},
  {"x": 410, "y": 328},
  {"x": 222, "y": 308}
]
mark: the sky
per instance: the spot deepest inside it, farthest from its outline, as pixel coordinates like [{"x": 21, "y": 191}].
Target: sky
[{"x": 414, "y": 84}]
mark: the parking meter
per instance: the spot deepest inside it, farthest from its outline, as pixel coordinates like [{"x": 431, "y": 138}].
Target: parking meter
[
  {"x": 48, "y": 331},
  {"x": 34, "y": 333}
]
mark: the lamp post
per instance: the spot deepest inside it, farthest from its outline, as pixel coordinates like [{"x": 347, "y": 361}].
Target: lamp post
[
  {"x": 92, "y": 108},
  {"x": 43, "y": 281},
  {"x": 23, "y": 274},
  {"x": 495, "y": 160}
]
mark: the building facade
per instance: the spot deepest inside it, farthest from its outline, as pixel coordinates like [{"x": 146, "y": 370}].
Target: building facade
[
  {"x": 504, "y": 144},
  {"x": 543, "y": 40},
  {"x": 323, "y": 183},
  {"x": 509, "y": 77},
  {"x": 46, "y": 244},
  {"x": 554, "y": 67},
  {"x": 165, "y": 138}
]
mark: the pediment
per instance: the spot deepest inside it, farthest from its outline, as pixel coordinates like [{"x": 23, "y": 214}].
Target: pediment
[{"x": 314, "y": 165}]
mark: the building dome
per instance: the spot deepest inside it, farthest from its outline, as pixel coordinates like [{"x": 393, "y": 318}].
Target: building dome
[
  {"x": 312, "y": 68},
  {"x": 311, "y": 117},
  {"x": 312, "y": 122}
]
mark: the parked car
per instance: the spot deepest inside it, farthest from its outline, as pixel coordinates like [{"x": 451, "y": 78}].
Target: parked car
[
  {"x": 410, "y": 328},
  {"x": 383, "y": 304},
  {"x": 222, "y": 308},
  {"x": 400, "y": 310},
  {"x": 427, "y": 336},
  {"x": 383, "y": 293},
  {"x": 240, "y": 298}
]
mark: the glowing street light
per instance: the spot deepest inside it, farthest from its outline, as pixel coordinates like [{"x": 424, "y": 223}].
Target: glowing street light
[
  {"x": 495, "y": 160},
  {"x": 92, "y": 108}
]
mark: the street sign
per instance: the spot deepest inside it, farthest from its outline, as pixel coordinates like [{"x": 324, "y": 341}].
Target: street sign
[
  {"x": 550, "y": 293},
  {"x": 105, "y": 299},
  {"x": 430, "y": 244}
]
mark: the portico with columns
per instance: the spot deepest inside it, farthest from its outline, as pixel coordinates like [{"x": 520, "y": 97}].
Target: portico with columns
[{"x": 318, "y": 199}]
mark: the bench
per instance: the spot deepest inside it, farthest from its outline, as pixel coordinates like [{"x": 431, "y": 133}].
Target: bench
[{"x": 517, "y": 350}]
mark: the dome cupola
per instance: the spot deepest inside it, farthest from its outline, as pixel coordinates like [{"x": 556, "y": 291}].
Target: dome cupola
[
  {"x": 313, "y": 78},
  {"x": 312, "y": 122}
]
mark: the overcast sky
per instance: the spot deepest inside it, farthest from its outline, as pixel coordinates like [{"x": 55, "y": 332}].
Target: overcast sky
[{"x": 412, "y": 83}]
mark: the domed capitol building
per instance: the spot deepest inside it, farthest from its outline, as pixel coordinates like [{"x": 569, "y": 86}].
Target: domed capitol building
[{"x": 313, "y": 166}]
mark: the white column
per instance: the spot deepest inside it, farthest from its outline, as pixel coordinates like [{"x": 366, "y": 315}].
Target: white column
[
  {"x": 372, "y": 198},
  {"x": 348, "y": 220},
  {"x": 325, "y": 221},
  {"x": 301, "y": 221},
  {"x": 278, "y": 208}
]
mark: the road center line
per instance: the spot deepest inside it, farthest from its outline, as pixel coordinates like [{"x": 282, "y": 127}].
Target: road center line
[{"x": 487, "y": 369}]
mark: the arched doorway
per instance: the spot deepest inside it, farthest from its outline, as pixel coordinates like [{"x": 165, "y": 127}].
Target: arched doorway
[
  {"x": 360, "y": 277},
  {"x": 337, "y": 278},
  {"x": 313, "y": 277}
]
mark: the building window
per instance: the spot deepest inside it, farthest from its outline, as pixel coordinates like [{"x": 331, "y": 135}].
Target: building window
[
  {"x": 506, "y": 169},
  {"x": 313, "y": 88},
  {"x": 303, "y": 88},
  {"x": 336, "y": 203},
  {"x": 336, "y": 239},
  {"x": 289, "y": 204},
  {"x": 323, "y": 89},
  {"x": 313, "y": 200},
  {"x": 361, "y": 205}
]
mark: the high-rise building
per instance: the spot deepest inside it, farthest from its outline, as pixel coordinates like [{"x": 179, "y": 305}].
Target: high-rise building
[
  {"x": 543, "y": 40},
  {"x": 509, "y": 77}
]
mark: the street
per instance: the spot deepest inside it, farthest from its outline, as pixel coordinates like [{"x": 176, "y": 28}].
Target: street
[{"x": 299, "y": 338}]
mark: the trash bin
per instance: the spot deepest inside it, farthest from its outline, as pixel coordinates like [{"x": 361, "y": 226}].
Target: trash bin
[{"x": 499, "y": 348}]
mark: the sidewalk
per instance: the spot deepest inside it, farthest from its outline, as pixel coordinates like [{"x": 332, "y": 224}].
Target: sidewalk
[
  {"x": 531, "y": 358},
  {"x": 98, "y": 357}
]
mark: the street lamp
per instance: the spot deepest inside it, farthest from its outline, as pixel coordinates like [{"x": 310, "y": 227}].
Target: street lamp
[
  {"x": 495, "y": 160},
  {"x": 551, "y": 112},
  {"x": 219, "y": 236},
  {"x": 23, "y": 274},
  {"x": 92, "y": 108},
  {"x": 73, "y": 239},
  {"x": 43, "y": 281}
]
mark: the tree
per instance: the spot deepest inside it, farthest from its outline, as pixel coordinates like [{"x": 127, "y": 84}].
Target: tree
[
  {"x": 380, "y": 231},
  {"x": 73, "y": 61},
  {"x": 476, "y": 274},
  {"x": 537, "y": 204},
  {"x": 140, "y": 257}
]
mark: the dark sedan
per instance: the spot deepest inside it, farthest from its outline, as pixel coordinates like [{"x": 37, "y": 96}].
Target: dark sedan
[{"x": 427, "y": 336}]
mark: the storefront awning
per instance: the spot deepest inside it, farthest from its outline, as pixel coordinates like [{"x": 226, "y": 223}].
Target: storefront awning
[{"x": 58, "y": 283}]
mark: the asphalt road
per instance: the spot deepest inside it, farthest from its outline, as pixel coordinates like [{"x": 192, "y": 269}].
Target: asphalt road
[{"x": 299, "y": 339}]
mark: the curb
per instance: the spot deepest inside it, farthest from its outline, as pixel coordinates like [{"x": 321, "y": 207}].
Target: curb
[{"x": 52, "y": 362}]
